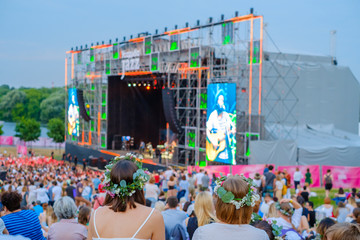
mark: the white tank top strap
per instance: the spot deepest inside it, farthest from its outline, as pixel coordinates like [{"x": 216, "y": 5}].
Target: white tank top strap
[
  {"x": 142, "y": 224},
  {"x": 97, "y": 234}
]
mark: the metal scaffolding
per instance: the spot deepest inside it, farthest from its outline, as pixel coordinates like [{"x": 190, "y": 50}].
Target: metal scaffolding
[{"x": 185, "y": 60}]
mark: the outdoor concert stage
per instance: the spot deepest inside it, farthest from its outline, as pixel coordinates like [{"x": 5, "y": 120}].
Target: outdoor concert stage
[{"x": 211, "y": 95}]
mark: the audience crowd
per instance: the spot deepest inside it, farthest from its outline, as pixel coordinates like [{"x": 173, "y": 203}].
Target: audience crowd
[{"x": 43, "y": 198}]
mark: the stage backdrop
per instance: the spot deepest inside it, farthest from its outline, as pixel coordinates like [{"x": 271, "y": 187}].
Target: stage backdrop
[
  {"x": 314, "y": 170},
  {"x": 345, "y": 177},
  {"x": 247, "y": 170},
  {"x": 221, "y": 123}
]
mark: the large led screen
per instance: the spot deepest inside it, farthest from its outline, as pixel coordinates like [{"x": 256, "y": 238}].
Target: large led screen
[
  {"x": 221, "y": 123},
  {"x": 73, "y": 113}
]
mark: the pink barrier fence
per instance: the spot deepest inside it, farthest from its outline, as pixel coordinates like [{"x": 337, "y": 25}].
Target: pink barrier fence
[
  {"x": 6, "y": 140},
  {"x": 345, "y": 177},
  {"x": 314, "y": 170}
]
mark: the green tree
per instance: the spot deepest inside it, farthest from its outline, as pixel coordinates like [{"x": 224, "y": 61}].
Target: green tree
[
  {"x": 28, "y": 130},
  {"x": 56, "y": 129},
  {"x": 9, "y": 101},
  {"x": 53, "y": 106},
  {"x": 1, "y": 131}
]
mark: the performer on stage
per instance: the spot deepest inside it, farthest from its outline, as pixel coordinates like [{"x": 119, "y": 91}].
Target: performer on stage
[{"x": 220, "y": 131}]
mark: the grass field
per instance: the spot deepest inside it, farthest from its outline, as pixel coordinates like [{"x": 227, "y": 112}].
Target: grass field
[
  {"x": 38, "y": 151},
  {"x": 319, "y": 199}
]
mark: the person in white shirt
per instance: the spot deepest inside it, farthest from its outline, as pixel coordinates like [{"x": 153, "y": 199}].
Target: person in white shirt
[
  {"x": 168, "y": 173},
  {"x": 297, "y": 178},
  {"x": 268, "y": 200},
  {"x": 199, "y": 177},
  {"x": 42, "y": 194},
  {"x": 152, "y": 191},
  {"x": 289, "y": 219},
  {"x": 56, "y": 191}
]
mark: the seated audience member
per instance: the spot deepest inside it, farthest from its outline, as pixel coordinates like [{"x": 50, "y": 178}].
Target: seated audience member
[
  {"x": 124, "y": 214},
  {"x": 351, "y": 205},
  {"x": 356, "y": 215},
  {"x": 312, "y": 214},
  {"x": 38, "y": 208},
  {"x": 323, "y": 226},
  {"x": 340, "y": 196},
  {"x": 326, "y": 209},
  {"x": 268, "y": 200},
  {"x": 343, "y": 231},
  {"x": 273, "y": 212},
  {"x": 20, "y": 222},
  {"x": 289, "y": 219},
  {"x": 305, "y": 194},
  {"x": 341, "y": 212},
  {"x": 160, "y": 206},
  {"x": 264, "y": 225},
  {"x": 234, "y": 215},
  {"x": 172, "y": 216},
  {"x": 84, "y": 215},
  {"x": 67, "y": 228},
  {"x": 204, "y": 213}
]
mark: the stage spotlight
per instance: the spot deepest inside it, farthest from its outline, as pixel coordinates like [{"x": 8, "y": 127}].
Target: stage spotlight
[
  {"x": 210, "y": 19},
  {"x": 175, "y": 26},
  {"x": 148, "y": 88},
  {"x": 81, "y": 47},
  {"x": 124, "y": 39},
  {"x": 251, "y": 10},
  {"x": 85, "y": 46},
  {"x": 236, "y": 14},
  {"x": 144, "y": 84},
  {"x": 139, "y": 84},
  {"x": 222, "y": 17},
  {"x": 198, "y": 23},
  {"x": 129, "y": 84},
  {"x": 156, "y": 31},
  {"x": 134, "y": 84},
  {"x": 109, "y": 41},
  {"x": 186, "y": 24}
]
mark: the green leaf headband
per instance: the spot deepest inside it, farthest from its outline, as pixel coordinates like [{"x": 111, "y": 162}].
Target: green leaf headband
[
  {"x": 123, "y": 189},
  {"x": 276, "y": 229},
  {"x": 228, "y": 197},
  {"x": 289, "y": 214}
]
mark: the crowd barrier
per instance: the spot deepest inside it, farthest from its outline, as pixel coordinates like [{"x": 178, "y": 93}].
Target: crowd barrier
[
  {"x": 345, "y": 177},
  {"x": 42, "y": 142}
]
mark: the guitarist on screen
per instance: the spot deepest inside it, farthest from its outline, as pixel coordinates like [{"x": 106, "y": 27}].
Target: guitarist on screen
[{"x": 219, "y": 131}]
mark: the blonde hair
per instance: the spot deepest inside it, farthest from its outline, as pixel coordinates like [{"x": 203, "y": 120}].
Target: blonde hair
[
  {"x": 339, "y": 230},
  {"x": 152, "y": 180},
  {"x": 50, "y": 215},
  {"x": 273, "y": 212},
  {"x": 227, "y": 212},
  {"x": 204, "y": 208},
  {"x": 160, "y": 206}
]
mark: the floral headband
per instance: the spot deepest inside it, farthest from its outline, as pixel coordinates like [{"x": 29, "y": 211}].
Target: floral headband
[
  {"x": 228, "y": 197},
  {"x": 276, "y": 229},
  {"x": 124, "y": 189},
  {"x": 289, "y": 213}
]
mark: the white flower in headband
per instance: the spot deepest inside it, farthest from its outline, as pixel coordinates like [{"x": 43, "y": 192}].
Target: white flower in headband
[
  {"x": 124, "y": 189},
  {"x": 249, "y": 199}
]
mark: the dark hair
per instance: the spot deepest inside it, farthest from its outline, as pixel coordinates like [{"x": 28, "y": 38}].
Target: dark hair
[
  {"x": 311, "y": 204},
  {"x": 328, "y": 170},
  {"x": 41, "y": 185},
  {"x": 84, "y": 215},
  {"x": 186, "y": 206},
  {"x": 300, "y": 200},
  {"x": 54, "y": 183},
  {"x": 271, "y": 167},
  {"x": 183, "y": 177},
  {"x": 172, "y": 202},
  {"x": 124, "y": 170},
  {"x": 356, "y": 213},
  {"x": 341, "y": 190},
  {"x": 264, "y": 225},
  {"x": 308, "y": 170},
  {"x": 148, "y": 202},
  {"x": 324, "y": 225},
  {"x": 11, "y": 200}
]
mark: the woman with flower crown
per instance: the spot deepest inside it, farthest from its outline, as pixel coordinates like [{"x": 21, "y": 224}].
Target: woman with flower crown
[
  {"x": 235, "y": 198},
  {"x": 289, "y": 219},
  {"x": 124, "y": 214}
]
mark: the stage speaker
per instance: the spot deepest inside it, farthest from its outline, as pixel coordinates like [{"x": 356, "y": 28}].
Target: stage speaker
[
  {"x": 83, "y": 113},
  {"x": 169, "y": 110}
]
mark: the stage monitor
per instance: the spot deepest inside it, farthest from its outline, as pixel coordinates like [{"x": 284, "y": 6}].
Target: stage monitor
[
  {"x": 221, "y": 123},
  {"x": 73, "y": 113}
]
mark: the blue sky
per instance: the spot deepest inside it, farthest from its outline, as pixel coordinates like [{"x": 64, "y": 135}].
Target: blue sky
[{"x": 34, "y": 35}]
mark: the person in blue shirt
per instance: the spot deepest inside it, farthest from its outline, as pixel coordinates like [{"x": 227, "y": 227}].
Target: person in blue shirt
[
  {"x": 38, "y": 208},
  {"x": 20, "y": 222},
  {"x": 172, "y": 216},
  {"x": 96, "y": 181}
]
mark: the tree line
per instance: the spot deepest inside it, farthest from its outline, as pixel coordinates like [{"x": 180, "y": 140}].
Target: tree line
[{"x": 29, "y": 107}]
